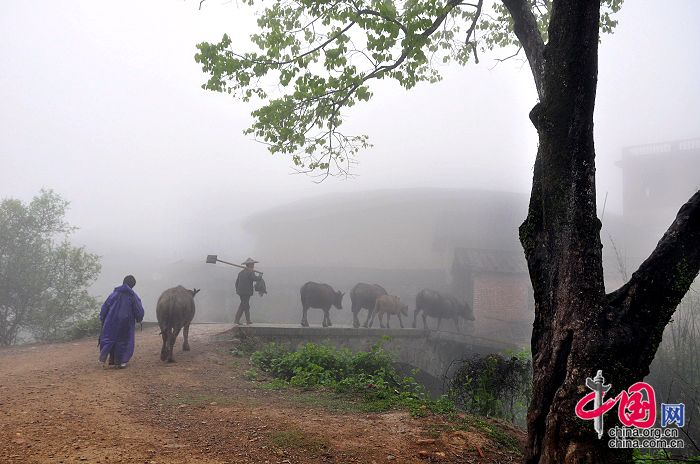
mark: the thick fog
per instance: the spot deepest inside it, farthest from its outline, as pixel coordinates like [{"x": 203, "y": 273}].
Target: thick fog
[{"x": 101, "y": 102}]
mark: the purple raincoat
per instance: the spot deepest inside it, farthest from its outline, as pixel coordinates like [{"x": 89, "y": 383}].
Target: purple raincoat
[{"x": 119, "y": 315}]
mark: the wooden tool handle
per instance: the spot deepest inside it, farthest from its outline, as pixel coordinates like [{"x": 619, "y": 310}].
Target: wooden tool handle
[{"x": 237, "y": 265}]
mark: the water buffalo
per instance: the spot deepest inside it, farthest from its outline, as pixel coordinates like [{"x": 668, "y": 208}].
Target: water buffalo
[
  {"x": 439, "y": 305},
  {"x": 388, "y": 304},
  {"x": 314, "y": 295},
  {"x": 175, "y": 311},
  {"x": 365, "y": 296}
]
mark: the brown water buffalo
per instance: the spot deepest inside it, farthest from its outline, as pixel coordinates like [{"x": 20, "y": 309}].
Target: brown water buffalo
[
  {"x": 388, "y": 304},
  {"x": 175, "y": 311},
  {"x": 440, "y": 305},
  {"x": 364, "y": 296},
  {"x": 322, "y": 296}
]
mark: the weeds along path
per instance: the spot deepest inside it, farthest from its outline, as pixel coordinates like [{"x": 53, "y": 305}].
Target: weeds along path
[{"x": 57, "y": 405}]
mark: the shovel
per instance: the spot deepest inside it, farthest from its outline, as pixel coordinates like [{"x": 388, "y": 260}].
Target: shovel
[{"x": 212, "y": 259}]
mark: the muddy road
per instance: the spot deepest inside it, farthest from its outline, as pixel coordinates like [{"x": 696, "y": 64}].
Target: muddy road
[{"x": 57, "y": 405}]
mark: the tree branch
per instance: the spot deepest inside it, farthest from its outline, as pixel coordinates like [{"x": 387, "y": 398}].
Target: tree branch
[
  {"x": 661, "y": 281},
  {"x": 472, "y": 27},
  {"x": 379, "y": 70},
  {"x": 501, "y": 60},
  {"x": 448, "y": 7},
  {"x": 367, "y": 11},
  {"x": 319, "y": 47},
  {"x": 525, "y": 28}
]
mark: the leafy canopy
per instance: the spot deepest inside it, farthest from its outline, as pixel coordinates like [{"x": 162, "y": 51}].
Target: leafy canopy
[{"x": 316, "y": 58}]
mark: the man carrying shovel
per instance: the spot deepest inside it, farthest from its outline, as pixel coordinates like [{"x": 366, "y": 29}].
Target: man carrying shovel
[{"x": 244, "y": 288}]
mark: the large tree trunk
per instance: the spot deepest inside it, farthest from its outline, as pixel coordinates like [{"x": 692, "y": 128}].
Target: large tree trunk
[
  {"x": 578, "y": 329},
  {"x": 561, "y": 238}
]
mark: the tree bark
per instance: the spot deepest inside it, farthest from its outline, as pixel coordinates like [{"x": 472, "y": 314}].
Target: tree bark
[
  {"x": 578, "y": 329},
  {"x": 561, "y": 239}
]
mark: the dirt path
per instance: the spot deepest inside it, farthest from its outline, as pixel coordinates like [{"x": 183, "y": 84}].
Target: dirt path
[{"x": 57, "y": 405}]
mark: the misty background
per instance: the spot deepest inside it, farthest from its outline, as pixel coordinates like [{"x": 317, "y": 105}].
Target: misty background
[{"x": 101, "y": 102}]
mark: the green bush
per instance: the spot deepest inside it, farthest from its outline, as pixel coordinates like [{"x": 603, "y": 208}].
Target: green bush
[
  {"x": 251, "y": 374},
  {"x": 368, "y": 375},
  {"x": 263, "y": 358},
  {"x": 86, "y": 327},
  {"x": 494, "y": 386},
  {"x": 660, "y": 457}
]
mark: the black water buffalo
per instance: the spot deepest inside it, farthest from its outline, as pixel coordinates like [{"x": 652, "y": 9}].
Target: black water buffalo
[
  {"x": 440, "y": 305},
  {"x": 364, "y": 296},
  {"x": 315, "y": 295},
  {"x": 175, "y": 311}
]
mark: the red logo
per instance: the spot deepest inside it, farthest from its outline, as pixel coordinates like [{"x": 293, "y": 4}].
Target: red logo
[
  {"x": 636, "y": 405},
  {"x": 634, "y": 410}
]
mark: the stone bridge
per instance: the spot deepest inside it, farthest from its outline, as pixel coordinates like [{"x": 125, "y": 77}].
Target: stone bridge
[{"x": 431, "y": 351}]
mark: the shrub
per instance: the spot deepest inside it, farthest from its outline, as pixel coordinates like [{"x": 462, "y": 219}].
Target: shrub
[
  {"x": 251, "y": 374},
  {"x": 675, "y": 372},
  {"x": 660, "y": 457},
  {"x": 86, "y": 327},
  {"x": 264, "y": 357},
  {"x": 368, "y": 375},
  {"x": 494, "y": 386}
]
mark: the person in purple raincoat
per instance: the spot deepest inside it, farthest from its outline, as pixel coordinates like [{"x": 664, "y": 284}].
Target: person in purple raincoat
[{"x": 119, "y": 315}]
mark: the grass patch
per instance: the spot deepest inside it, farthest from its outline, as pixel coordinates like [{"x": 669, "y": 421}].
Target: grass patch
[
  {"x": 298, "y": 439},
  {"x": 337, "y": 380},
  {"x": 335, "y": 402},
  {"x": 275, "y": 385},
  {"x": 660, "y": 457},
  {"x": 246, "y": 346},
  {"x": 252, "y": 374},
  {"x": 366, "y": 380},
  {"x": 499, "y": 435},
  {"x": 492, "y": 431}
]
